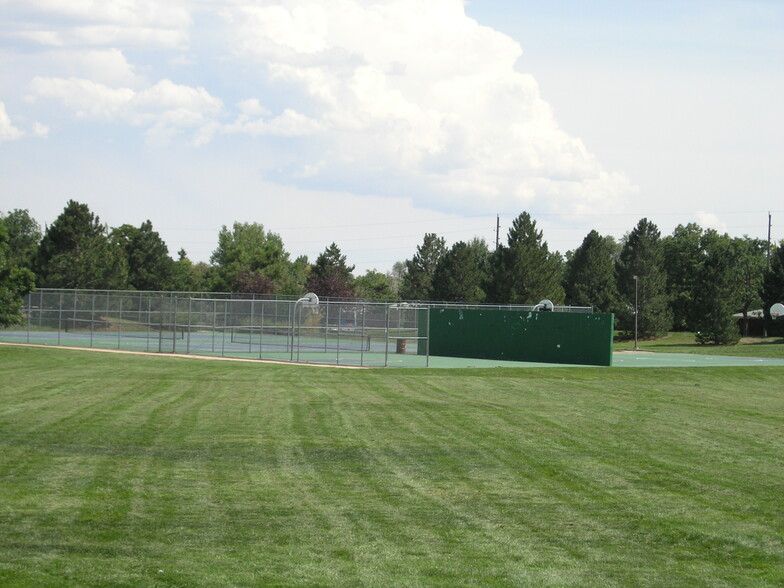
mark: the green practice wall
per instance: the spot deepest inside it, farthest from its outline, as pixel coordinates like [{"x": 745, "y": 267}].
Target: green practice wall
[{"x": 546, "y": 337}]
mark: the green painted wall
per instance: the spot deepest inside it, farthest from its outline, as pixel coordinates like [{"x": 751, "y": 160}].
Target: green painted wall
[{"x": 547, "y": 337}]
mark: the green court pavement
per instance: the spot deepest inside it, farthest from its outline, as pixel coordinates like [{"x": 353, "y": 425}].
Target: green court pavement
[
  {"x": 621, "y": 359},
  {"x": 375, "y": 356}
]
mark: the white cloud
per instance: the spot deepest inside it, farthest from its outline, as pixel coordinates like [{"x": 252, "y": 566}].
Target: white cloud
[
  {"x": 141, "y": 23},
  {"x": 85, "y": 97},
  {"x": 8, "y": 132},
  {"x": 105, "y": 66},
  {"x": 709, "y": 220},
  {"x": 165, "y": 108},
  {"x": 421, "y": 93},
  {"x": 288, "y": 124},
  {"x": 406, "y": 97}
]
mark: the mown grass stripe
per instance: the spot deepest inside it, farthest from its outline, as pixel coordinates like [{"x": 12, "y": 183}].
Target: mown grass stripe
[{"x": 155, "y": 471}]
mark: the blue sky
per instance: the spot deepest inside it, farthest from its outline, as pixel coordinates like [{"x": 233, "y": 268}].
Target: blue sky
[{"x": 371, "y": 123}]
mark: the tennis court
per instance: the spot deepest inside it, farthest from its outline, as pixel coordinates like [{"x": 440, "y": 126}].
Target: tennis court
[{"x": 372, "y": 354}]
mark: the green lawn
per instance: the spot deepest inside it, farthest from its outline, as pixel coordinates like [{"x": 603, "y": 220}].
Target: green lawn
[
  {"x": 155, "y": 471},
  {"x": 684, "y": 343}
]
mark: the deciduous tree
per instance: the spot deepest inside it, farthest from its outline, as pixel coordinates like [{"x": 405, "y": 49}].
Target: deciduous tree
[
  {"x": 24, "y": 236},
  {"x": 719, "y": 294},
  {"x": 773, "y": 289},
  {"x": 682, "y": 258},
  {"x": 15, "y": 282},
  {"x": 248, "y": 256},
  {"x": 374, "y": 286}
]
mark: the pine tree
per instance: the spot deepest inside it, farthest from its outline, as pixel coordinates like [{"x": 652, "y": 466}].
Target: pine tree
[
  {"x": 642, "y": 256},
  {"x": 149, "y": 265},
  {"x": 75, "y": 252},
  {"x": 525, "y": 271},
  {"x": 330, "y": 276},
  {"x": 590, "y": 274},
  {"x": 461, "y": 273},
  {"x": 417, "y": 281}
]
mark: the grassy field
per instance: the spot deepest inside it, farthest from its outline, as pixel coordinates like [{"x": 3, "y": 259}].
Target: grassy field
[
  {"x": 684, "y": 343},
  {"x": 156, "y": 471}
]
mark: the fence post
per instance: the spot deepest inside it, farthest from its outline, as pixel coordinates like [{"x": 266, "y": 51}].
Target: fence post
[
  {"x": 386, "y": 338},
  {"x": 119, "y": 325},
  {"x": 92, "y": 318},
  {"x": 250, "y": 330},
  {"x": 214, "y": 321},
  {"x": 427, "y": 341},
  {"x": 59, "y": 318},
  {"x": 362, "y": 339},
  {"x": 174, "y": 327}
]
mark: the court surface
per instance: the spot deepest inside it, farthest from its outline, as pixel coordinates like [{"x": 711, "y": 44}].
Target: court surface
[
  {"x": 622, "y": 359},
  {"x": 372, "y": 355}
]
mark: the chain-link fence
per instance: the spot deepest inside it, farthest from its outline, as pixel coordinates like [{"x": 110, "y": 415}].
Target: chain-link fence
[
  {"x": 340, "y": 333},
  {"x": 337, "y": 332}
]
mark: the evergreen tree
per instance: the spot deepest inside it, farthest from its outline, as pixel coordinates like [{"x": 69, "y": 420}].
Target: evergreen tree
[
  {"x": 642, "y": 255},
  {"x": 330, "y": 277},
  {"x": 75, "y": 252},
  {"x": 417, "y": 281},
  {"x": 149, "y": 264},
  {"x": 682, "y": 258},
  {"x": 590, "y": 274},
  {"x": 525, "y": 271},
  {"x": 462, "y": 272}
]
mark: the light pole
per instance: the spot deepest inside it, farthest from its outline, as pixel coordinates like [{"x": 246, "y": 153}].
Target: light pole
[{"x": 636, "y": 282}]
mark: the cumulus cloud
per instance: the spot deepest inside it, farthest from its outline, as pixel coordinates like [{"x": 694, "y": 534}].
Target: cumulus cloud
[
  {"x": 106, "y": 66},
  {"x": 165, "y": 108},
  {"x": 390, "y": 97},
  {"x": 142, "y": 23},
  {"x": 10, "y": 132},
  {"x": 416, "y": 96},
  {"x": 711, "y": 221}
]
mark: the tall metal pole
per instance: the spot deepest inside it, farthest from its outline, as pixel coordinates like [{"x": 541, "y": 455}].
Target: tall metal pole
[
  {"x": 636, "y": 282},
  {"x": 769, "y": 223}
]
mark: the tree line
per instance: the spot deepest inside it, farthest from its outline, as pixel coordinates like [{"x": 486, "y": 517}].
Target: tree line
[{"x": 693, "y": 280}]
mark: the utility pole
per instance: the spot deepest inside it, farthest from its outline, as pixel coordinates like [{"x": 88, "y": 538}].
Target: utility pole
[
  {"x": 636, "y": 281},
  {"x": 769, "y": 240},
  {"x": 498, "y": 231}
]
